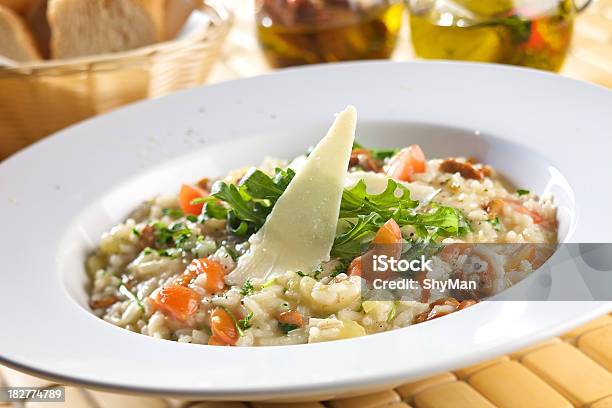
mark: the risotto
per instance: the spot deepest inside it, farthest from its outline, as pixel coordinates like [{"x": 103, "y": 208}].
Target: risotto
[{"x": 174, "y": 269}]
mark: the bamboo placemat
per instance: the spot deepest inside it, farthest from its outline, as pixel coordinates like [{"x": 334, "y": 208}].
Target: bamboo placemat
[{"x": 573, "y": 370}]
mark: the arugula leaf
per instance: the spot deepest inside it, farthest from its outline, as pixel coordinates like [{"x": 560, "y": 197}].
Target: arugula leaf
[
  {"x": 214, "y": 210},
  {"x": 241, "y": 204},
  {"x": 250, "y": 202},
  {"x": 443, "y": 221},
  {"x": 356, "y": 201},
  {"x": 377, "y": 154},
  {"x": 350, "y": 244},
  {"x": 260, "y": 186}
]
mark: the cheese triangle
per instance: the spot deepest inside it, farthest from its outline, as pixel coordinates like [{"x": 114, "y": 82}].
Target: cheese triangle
[{"x": 299, "y": 232}]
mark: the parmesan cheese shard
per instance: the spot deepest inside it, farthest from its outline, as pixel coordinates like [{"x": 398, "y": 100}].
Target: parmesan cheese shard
[{"x": 299, "y": 232}]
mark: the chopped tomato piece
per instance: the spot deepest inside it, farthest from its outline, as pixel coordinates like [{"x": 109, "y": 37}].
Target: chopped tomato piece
[
  {"x": 389, "y": 233},
  {"x": 189, "y": 193},
  {"x": 519, "y": 207},
  {"x": 451, "y": 252},
  {"x": 406, "y": 163},
  {"x": 291, "y": 317},
  {"x": 223, "y": 326},
  {"x": 177, "y": 301},
  {"x": 354, "y": 268},
  {"x": 215, "y": 274}
]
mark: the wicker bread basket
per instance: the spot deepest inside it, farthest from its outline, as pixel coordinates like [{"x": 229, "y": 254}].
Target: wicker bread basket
[{"x": 38, "y": 99}]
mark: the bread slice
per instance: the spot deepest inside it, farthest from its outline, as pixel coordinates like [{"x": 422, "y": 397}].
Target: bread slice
[
  {"x": 169, "y": 15},
  {"x": 35, "y": 18},
  {"x": 16, "y": 40},
  {"x": 86, "y": 27},
  {"x": 18, "y": 6}
]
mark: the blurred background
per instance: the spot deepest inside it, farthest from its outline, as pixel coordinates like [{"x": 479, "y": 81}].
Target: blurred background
[{"x": 62, "y": 61}]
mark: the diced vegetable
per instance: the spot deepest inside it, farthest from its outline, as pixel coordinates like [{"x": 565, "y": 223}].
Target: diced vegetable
[
  {"x": 178, "y": 301},
  {"x": 215, "y": 274},
  {"x": 291, "y": 317},
  {"x": 351, "y": 329},
  {"x": 189, "y": 193},
  {"x": 223, "y": 327},
  {"x": 354, "y": 268},
  {"x": 389, "y": 233},
  {"x": 404, "y": 165},
  {"x": 517, "y": 206}
]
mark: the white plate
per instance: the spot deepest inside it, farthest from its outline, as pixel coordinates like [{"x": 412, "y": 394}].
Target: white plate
[{"x": 548, "y": 133}]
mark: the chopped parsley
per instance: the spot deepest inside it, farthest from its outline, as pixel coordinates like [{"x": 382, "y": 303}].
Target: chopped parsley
[
  {"x": 131, "y": 296},
  {"x": 245, "y": 323},
  {"x": 287, "y": 327},
  {"x": 176, "y": 233},
  {"x": 340, "y": 268},
  {"x": 172, "y": 212},
  {"x": 495, "y": 223},
  {"x": 136, "y": 232},
  {"x": 247, "y": 288},
  {"x": 522, "y": 192},
  {"x": 315, "y": 275}
]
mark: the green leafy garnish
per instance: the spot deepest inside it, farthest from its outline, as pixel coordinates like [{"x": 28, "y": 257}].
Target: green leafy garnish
[
  {"x": 441, "y": 222},
  {"x": 214, "y": 210},
  {"x": 247, "y": 288},
  {"x": 522, "y": 192},
  {"x": 315, "y": 275},
  {"x": 495, "y": 223},
  {"x": 136, "y": 232},
  {"x": 249, "y": 203},
  {"x": 166, "y": 235},
  {"x": 393, "y": 312},
  {"x": 357, "y": 201},
  {"x": 130, "y": 295},
  {"x": 378, "y": 154},
  {"x": 340, "y": 268},
  {"x": 245, "y": 323},
  {"x": 350, "y": 244},
  {"x": 236, "y": 322},
  {"x": 172, "y": 212},
  {"x": 287, "y": 327},
  {"x": 269, "y": 283}
]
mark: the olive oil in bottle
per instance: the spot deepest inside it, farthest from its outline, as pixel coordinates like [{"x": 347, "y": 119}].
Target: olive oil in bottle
[
  {"x": 304, "y": 32},
  {"x": 532, "y": 33}
]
